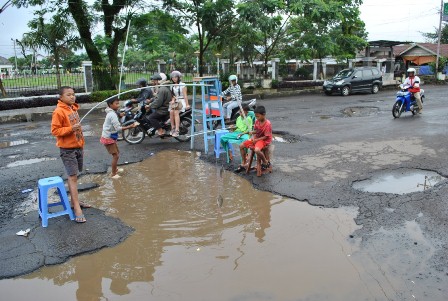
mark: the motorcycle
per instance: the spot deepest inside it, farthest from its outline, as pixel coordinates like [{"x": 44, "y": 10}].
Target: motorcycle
[
  {"x": 252, "y": 103},
  {"x": 137, "y": 135},
  {"x": 406, "y": 102}
]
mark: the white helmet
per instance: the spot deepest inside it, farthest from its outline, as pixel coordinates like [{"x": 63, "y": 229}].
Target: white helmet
[
  {"x": 163, "y": 76},
  {"x": 233, "y": 77},
  {"x": 175, "y": 73},
  {"x": 411, "y": 70}
]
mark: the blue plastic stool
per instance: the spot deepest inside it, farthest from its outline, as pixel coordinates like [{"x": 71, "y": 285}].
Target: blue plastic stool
[
  {"x": 218, "y": 148},
  {"x": 43, "y": 186}
]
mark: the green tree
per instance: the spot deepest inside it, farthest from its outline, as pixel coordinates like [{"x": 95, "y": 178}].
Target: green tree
[
  {"x": 157, "y": 35},
  {"x": 56, "y": 37},
  {"x": 115, "y": 24},
  {"x": 265, "y": 27},
  {"x": 211, "y": 19},
  {"x": 320, "y": 29},
  {"x": 433, "y": 37}
]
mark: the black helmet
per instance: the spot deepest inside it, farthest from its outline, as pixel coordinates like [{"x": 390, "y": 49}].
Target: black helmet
[
  {"x": 141, "y": 82},
  {"x": 156, "y": 76},
  {"x": 128, "y": 104}
]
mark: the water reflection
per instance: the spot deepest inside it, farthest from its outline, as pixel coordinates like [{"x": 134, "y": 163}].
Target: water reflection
[{"x": 185, "y": 247}]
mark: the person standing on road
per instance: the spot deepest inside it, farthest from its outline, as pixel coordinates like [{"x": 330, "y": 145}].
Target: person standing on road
[
  {"x": 109, "y": 134},
  {"x": 413, "y": 82},
  {"x": 235, "y": 98},
  {"x": 66, "y": 127}
]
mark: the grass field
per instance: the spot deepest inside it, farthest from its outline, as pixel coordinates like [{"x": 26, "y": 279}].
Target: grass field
[
  {"x": 74, "y": 80},
  {"x": 30, "y": 81}
]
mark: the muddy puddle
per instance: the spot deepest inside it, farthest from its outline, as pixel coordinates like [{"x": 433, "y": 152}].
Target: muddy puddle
[
  {"x": 256, "y": 246},
  {"x": 400, "y": 181}
]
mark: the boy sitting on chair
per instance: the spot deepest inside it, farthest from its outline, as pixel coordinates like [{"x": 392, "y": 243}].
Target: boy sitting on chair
[
  {"x": 240, "y": 130},
  {"x": 262, "y": 137}
]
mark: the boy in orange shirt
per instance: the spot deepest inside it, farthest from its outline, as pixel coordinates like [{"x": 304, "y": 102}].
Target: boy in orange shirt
[
  {"x": 262, "y": 137},
  {"x": 66, "y": 128}
]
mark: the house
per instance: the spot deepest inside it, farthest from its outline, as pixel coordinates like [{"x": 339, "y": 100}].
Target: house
[
  {"x": 420, "y": 53},
  {"x": 5, "y": 67}
]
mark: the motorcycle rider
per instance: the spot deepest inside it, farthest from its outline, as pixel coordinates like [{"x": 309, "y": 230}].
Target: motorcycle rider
[
  {"x": 160, "y": 104},
  {"x": 234, "y": 98},
  {"x": 145, "y": 95},
  {"x": 413, "y": 82}
]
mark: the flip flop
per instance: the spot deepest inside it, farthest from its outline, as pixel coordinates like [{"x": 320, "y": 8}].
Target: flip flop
[
  {"x": 80, "y": 219},
  {"x": 239, "y": 169}
]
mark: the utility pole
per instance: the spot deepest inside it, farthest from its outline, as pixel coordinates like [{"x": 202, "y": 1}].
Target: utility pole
[
  {"x": 15, "y": 53},
  {"x": 438, "y": 39}
]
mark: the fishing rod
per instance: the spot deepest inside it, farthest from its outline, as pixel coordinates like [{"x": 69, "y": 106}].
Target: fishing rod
[
  {"x": 210, "y": 131},
  {"x": 138, "y": 89}
]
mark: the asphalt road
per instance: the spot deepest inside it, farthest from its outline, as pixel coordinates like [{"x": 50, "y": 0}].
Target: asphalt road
[{"x": 331, "y": 143}]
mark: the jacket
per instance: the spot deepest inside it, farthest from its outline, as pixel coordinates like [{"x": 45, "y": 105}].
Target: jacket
[
  {"x": 162, "y": 100},
  {"x": 414, "y": 83},
  {"x": 111, "y": 123},
  {"x": 144, "y": 95},
  {"x": 64, "y": 116}
]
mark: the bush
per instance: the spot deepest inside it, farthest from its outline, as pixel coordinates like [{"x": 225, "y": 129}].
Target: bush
[
  {"x": 274, "y": 84},
  {"x": 45, "y": 101},
  {"x": 302, "y": 73}
]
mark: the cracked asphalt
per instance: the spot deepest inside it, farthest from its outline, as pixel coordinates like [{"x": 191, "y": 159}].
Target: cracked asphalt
[{"x": 331, "y": 143}]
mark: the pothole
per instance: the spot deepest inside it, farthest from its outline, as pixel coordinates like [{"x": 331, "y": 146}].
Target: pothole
[
  {"x": 400, "y": 181},
  {"x": 5, "y": 144},
  {"x": 360, "y": 111},
  {"x": 284, "y": 137},
  {"x": 370, "y": 100},
  {"x": 28, "y": 162}
]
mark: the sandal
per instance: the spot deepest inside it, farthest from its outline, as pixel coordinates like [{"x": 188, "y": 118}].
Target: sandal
[
  {"x": 239, "y": 169},
  {"x": 265, "y": 166},
  {"x": 175, "y": 134},
  {"x": 80, "y": 219}
]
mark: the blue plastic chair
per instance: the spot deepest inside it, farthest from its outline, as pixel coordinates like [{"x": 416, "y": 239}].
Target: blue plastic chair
[
  {"x": 43, "y": 186},
  {"x": 218, "y": 147}
]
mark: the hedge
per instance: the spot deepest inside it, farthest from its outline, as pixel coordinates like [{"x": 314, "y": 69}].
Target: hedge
[{"x": 52, "y": 100}]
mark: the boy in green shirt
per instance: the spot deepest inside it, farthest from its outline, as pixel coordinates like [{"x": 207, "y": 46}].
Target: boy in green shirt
[{"x": 241, "y": 129}]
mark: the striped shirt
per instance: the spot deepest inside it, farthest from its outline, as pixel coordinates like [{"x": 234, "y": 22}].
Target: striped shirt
[{"x": 235, "y": 93}]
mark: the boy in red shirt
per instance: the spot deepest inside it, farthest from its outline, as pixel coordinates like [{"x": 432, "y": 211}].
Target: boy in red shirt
[{"x": 262, "y": 137}]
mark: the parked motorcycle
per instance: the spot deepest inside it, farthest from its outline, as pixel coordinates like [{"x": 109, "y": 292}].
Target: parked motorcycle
[
  {"x": 406, "y": 102},
  {"x": 252, "y": 103},
  {"x": 137, "y": 135}
]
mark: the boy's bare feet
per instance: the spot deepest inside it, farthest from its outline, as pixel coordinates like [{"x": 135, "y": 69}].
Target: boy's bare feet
[{"x": 116, "y": 176}]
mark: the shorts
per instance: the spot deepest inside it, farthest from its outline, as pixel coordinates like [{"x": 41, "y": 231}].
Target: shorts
[
  {"x": 73, "y": 159},
  {"x": 260, "y": 144},
  {"x": 112, "y": 148}
]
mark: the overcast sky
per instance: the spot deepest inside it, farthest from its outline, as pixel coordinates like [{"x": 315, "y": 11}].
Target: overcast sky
[{"x": 398, "y": 20}]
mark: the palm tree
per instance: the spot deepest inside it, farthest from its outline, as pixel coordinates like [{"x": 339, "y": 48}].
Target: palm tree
[{"x": 56, "y": 37}]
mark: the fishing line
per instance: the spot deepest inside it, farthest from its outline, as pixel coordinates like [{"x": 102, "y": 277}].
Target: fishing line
[{"x": 137, "y": 89}]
